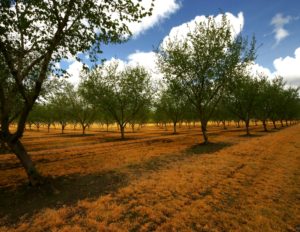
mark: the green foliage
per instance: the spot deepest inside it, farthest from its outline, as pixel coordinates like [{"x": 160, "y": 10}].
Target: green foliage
[
  {"x": 203, "y": 63},
  {"x": 35, "y": 35},
  {"x": 172, "y": 106},
  {"x": 242, "y": 97},
  {"x": 123, "y": 95}
]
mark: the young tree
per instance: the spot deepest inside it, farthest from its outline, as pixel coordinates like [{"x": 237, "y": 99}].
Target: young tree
[
  {"x": 62, "y": 110},
  {"x": 242, "y": 97},
  {"x": 173, "y": 104},
  {"x": 202, "y": 63},
  {"x": 121, "y": 94},
  {"x": 34, "y": 35},
  {"x": 82, "y": 111}
]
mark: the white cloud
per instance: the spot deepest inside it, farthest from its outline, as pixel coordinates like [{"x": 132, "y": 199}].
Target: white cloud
[
  {"x": 148, "y": 61},
  {"x": 256, "y": 69},
  {"x": 74, "y": 70},
  {"x": 162, "y": 10},
  {"x": 279, "y": 21},
  {"x": 288, "y": 68},
  {"x": 181, "y": 31}
]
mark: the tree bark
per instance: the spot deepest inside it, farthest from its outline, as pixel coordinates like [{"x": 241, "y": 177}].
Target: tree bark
[
  {"x": 265, "y": 125},
  {"x": 32, "y": 173},
  {"x": 204, "y": 131},
  {"x": 83, "y": 129},
  {"x": 274, "y": 124},
  {"x": 122, "y": 129},
  {"x": 174, "y": 127},
  {"x": 224, "y": 125},
  {"x": 247, "y": 127}
]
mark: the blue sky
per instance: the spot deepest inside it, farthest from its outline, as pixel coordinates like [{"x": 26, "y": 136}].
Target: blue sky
[{"x": 257, "y": 17}]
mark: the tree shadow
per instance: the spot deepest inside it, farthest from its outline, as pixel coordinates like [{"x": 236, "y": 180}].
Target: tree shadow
[
  {"x": 24, "y": 201},
  {"x": 251, "y": 135},
  {"x": 55, "y": 193},
  {"x": 76, "y": 135},
  {"x": 207, "y": 148},
  {"x": 161, "y": 162}
]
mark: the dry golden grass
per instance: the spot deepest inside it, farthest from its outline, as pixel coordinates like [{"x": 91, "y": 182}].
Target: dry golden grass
[{"x": 156, "y": 181}]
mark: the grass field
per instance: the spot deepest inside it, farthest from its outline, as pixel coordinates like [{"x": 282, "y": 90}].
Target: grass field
[{"x": 155, "y": 181}]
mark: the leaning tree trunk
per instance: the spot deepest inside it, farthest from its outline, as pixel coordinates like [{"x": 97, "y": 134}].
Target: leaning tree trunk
[
  {"x": 224, "y": 125},
  {"x": 32, "y": 173},
  {"x": 204, "y": 131}
]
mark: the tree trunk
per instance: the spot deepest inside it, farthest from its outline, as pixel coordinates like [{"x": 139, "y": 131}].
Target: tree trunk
[
  {"x": 247, "y": 127},
  {"x": 62, "y": 128},
  {"x": 286, "y": 123},
  {"x": 48, "y": 127},
  {"x": 32, "y": 173},
  {"x": 132, "y": 127},
  {"x": 224, "y": 124},
  {"x": 83, "y": 129},
  {"x": 174, "y": 127},
  {"x": 204, "y": 132},
  {"x": 122, "y": 129},
  {"x": 281, "y": 123},
  {"x": 274, "y": 124},
  {"x": 265, "y": 125}
]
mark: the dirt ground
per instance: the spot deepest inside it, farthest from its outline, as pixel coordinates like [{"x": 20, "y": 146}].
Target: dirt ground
[{"x": 155, "y": 181}]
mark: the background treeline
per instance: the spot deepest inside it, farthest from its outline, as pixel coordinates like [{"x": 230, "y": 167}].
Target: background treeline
[
  {"x": 128, "y": 99},
  {"x": 207, "y": 76}
]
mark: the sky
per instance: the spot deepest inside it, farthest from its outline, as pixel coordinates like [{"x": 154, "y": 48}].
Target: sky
[{"x": 275, "y": 24}]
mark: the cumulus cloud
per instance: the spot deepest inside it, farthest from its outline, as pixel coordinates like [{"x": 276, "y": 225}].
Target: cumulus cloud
[
  {"x": 181, "y": 31},
  {"x": 256, "y": 69},
  {"x": 148, "y": 60},
  {"x": 74, "y": 70},
  {"x": 162, "y": 10},
  {"x": 279, "y": 21},
  {"x": 288, "y": 68}
]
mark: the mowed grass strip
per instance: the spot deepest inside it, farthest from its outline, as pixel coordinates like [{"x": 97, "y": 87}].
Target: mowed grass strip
[{"x": 243, "y": 185}]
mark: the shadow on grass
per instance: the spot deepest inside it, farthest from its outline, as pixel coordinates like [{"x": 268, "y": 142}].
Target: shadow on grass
[
  {"x": 75, "y": 135},
  {"x": 117, "y": 139},
  {"x": 67, "y": 190},
  {"x": 160, "y": 162},
  {"x": 56, "y": 192},
  {"x": 252, "y": 135},
  {"x": 207, "y": 148}
]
